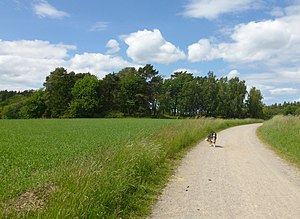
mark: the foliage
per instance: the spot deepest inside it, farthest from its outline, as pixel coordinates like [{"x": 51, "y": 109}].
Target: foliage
[
  {"x": 5, "y": 95},
  {"x": 283, "y": 134},
  {"x": 135, "y": 92},
  {"x": 254, "y": 103},
  {"x": 35, "y": 106},
  {"x": 91, "y": 168},
  {"x": 86, "y": 100},
  {"x": 282, "y": 109},
  {"x": 58, "y": 86},
  {"x": 132, "y": 93},
  {"x": 12, "y": 111},
  {"x": 109, "y": 91},
  {"x": 11, "y": 103}
]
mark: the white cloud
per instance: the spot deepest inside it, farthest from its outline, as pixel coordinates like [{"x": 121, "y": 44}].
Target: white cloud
[
  {"x": 284, "y": 91},
  {"x": 271, "y": 43},
  {"x": 25, "y": 73},
  {"x": 287, "y": 74},
  {"x": 277, "y": 12},
  {"x": 113, "y": 46},
  {"x": 275, "y": 86},
  {"x": 256, "y": 41},
  {"x": 193, "y": 71},
  {"x": 44, "y": 9},
  {"x": 233, "y": 74},
  {"x": 212, "y": 9},
  {"x": 25, "y": 64},
  {"x": 99, "y": 26},
  {"x": 97, "y": 63},
  {"x": 36, "y": 49},
  {"x": 202, "y": 51},
  {"x": 150, "y": 46}
]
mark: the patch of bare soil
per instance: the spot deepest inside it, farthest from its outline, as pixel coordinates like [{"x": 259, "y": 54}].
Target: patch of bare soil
[{"x": 33, "y": 200}]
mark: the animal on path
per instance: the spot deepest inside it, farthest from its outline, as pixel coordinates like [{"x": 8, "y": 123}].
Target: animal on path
[{"x": 212, "y": 139}]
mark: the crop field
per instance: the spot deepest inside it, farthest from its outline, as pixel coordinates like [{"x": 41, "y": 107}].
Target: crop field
[
  {"x": 91, "y": 168},
  {"x": 282, "y": 133}
]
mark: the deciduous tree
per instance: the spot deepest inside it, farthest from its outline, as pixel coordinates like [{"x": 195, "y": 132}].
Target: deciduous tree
[
  {"x": 254, "y": 103},
  {"x": 86, "y": 98},
  {"x": 58, "y": 86}
]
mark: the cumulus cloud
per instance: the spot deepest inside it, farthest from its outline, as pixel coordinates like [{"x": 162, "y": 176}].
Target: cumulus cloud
[
  {"x": 233, "y": 74},
  {"x": 25, "y": 64},
  {"x": 36, "y": 49},
  {"x": 44, "y": 9},
  {"x": 113, "y": 46},
  {"x": 256, "y": 41},
  {"x": 202, "y": 51},
  {"x": 149, "y": 46},
  {"x": 97, "y": 63},
  {"x": 212, "y": 9},
  {"x": 270, "y": 42}
]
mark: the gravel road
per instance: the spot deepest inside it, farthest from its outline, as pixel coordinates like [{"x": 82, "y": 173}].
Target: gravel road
[{"x": 240, "y": 178}]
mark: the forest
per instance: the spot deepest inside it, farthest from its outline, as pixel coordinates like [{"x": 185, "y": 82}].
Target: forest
[{"x": 141, "y": 92}]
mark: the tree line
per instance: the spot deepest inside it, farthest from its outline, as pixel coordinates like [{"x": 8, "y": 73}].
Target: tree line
[
  {"x": 286, "y": 108},
  {"x": 133, "y": 92}
]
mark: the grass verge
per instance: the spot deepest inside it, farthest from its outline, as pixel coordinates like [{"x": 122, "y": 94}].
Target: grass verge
[
  {"x": 88, "y": 176},
  {"x": 282, "y": 133}
]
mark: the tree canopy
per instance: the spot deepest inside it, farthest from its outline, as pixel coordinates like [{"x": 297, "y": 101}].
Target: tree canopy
[{"x": 134, "y": 92}]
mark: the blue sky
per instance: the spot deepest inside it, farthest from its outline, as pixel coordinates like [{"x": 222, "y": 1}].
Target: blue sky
[{"x": 256, "y": 40}]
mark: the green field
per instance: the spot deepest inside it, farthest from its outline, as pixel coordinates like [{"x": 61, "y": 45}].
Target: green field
[
  {"x": 91, "y": 168},
  {"x": 282, "y": 133}
]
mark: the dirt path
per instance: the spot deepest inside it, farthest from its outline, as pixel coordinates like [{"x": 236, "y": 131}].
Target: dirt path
[{"x": 240, "y": 178}]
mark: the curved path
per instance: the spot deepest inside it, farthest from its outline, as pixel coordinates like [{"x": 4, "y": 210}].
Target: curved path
[{"x": 240, "y": 178}]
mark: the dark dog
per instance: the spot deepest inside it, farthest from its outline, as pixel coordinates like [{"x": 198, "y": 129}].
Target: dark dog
[{"x": 212, "y": 139}]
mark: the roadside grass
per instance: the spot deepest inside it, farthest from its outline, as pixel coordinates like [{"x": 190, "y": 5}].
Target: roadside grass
[
  {"x": 92, "y": 168},
  {"x": 282, "y": 133}
]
